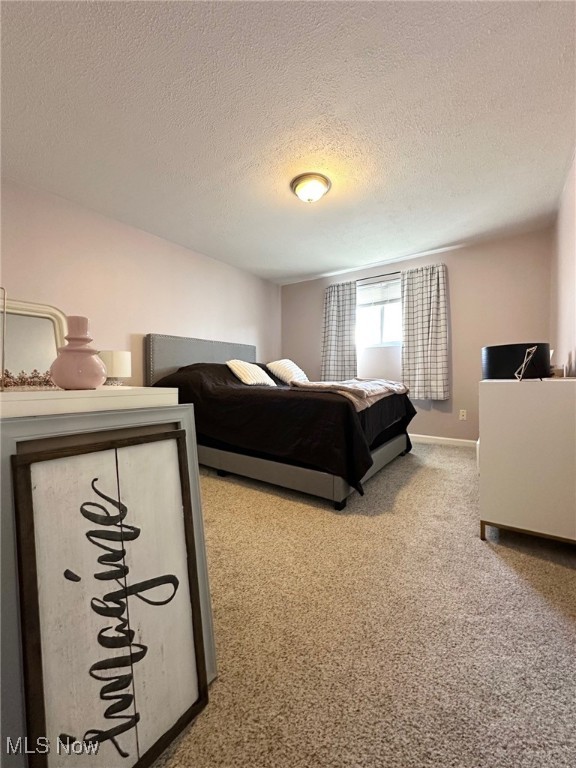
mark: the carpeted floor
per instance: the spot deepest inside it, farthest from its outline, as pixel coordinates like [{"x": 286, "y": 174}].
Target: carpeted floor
[{"x": 387, "y": 635}]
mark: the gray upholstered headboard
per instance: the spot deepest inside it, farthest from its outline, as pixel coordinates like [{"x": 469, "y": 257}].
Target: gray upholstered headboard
[{"x": 165, "y": 354}]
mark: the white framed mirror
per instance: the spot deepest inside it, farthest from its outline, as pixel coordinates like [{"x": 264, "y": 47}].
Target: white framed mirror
[{"x": 33, "y": 332}]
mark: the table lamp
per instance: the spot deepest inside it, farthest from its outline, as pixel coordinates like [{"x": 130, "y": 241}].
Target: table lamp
[{"x": 118, "y": 366}]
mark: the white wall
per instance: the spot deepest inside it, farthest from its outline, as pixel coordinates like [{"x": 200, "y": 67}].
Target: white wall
[
  {"x": 126, "y": 281},
  {"x": 499, "y": 294}
]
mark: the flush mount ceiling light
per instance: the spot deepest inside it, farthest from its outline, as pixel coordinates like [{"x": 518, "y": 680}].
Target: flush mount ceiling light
[{"x": 310, "y": 187}]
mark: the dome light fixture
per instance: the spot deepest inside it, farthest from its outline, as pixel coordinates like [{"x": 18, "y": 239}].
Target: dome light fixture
[{"x": 310, "y": 187}]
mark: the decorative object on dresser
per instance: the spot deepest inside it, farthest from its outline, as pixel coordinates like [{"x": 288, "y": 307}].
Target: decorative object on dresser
[
  {"x": 528, "y": 355},
  {"x": 32, "y": 380},
  {"x": 31, "y": 335},
  {"x": 118, "y": 366},
  {"x": 558, "y": 372},
  {"x": 502, "y": 361},
  {"x": 78, "y": 365}
]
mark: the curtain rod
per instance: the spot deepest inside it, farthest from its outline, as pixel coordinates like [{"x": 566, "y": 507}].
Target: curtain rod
[{"x": 378, "y": 277}]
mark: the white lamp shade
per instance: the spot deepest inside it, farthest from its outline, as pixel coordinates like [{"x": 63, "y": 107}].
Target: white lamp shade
[{"x": 118, "y": 364}]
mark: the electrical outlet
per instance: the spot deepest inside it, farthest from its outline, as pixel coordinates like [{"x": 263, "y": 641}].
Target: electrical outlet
[{"x": 463, "y": 414}]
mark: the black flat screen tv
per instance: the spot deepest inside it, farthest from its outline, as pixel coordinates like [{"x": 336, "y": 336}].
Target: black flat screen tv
[{"x": 503, "y": 360}]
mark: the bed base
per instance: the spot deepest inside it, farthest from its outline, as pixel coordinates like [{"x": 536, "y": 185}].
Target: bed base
[{"x": 310, "y": 481}]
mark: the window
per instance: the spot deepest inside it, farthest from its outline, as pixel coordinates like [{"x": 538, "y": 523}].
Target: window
[{"x": 379, "y": 313}]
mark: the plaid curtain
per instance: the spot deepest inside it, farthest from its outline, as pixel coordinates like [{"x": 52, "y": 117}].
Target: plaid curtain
[
  {"x": 339, "y": 343},
  {"x": 425, "y": 332}
]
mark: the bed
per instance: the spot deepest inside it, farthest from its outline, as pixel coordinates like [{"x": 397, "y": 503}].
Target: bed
[{"x": 312, "y": 442}]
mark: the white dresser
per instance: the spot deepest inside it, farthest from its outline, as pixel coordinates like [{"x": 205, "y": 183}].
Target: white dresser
[
  {"x": 528, "y": 456},
  {"x": 44, "y": 402},
  {"x": 63, "y": 421}
]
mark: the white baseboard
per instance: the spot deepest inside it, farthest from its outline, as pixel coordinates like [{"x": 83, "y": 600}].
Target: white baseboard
[{"x": 443, "y": 441}]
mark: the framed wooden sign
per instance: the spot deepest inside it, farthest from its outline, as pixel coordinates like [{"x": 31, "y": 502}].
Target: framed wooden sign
[{"x": 111, "y": 625}]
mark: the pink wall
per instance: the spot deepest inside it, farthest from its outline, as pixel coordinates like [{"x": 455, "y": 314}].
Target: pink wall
[
  {"x": 126, "y": 281},
  {"x": 129, "y": 283},
  {"x": 499, "y": 294},
  {"x": 563, "y": 307}
]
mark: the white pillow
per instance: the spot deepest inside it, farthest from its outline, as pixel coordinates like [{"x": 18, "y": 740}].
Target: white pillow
[
  {"x": 249, "y": 373},
  {"x": 287, "y": 371}
]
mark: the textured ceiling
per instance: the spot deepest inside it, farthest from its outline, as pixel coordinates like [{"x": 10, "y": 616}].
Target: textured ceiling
[{"x": 438, "y": 122}]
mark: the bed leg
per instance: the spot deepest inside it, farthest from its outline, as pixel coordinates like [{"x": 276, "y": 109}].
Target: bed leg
[
  {"x": 222, "y": 473},
  {"x": 340, "y": 505}
]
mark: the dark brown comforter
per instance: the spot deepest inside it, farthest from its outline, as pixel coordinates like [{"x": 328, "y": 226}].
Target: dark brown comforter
[{"x": 317, "y": 430}]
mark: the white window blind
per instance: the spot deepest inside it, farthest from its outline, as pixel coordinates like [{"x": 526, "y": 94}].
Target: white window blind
[{"x": 379, "y": 313}]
